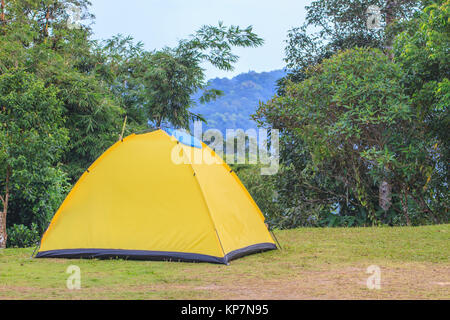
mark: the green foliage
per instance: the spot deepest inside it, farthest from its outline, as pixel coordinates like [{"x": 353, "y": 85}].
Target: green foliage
[
  {"x": 214, "y": 44},
  {"x": 37, "y": 200},
  {"x": 422, "y": 51},
  {"x": 32, "y": 139},
  {"x": 352, "y": 121},
  {"x": 158, "y": 86},
  {"x": 333, "y": 25},
  {"x": 37, "y": 38},
  {"x": 20, "y": 236}
]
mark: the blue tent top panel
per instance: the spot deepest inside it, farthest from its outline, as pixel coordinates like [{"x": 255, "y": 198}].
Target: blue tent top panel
[{"x": 185, "y": 138}]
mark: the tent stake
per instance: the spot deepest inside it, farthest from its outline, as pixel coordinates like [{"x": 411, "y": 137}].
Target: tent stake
[{"x": 35, "y": 248}]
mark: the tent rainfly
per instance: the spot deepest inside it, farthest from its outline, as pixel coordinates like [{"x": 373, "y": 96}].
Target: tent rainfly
[{"x": 149, "y": 197}]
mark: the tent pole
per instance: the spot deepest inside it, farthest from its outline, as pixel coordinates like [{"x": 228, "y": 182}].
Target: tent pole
[
  {"x": 271, "y": 231},
  {"x": 123, "y": 128},
  {"x": 40, "y": 241}
]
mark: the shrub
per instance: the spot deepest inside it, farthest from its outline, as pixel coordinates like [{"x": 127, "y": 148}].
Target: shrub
[{"x": 21, "y": 236}]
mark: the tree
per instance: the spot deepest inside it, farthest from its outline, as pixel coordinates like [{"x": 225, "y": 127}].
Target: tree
[
  {"x": 333, "y": 25},
  {"x": 422, "y": 51},
  {"x": 158, "y": 86},
  {"x": 101, "y": 83},
  {"x": 37, "y": 37},
  {"x": 32, "y": 138},
  {"x": 343, "y": 25}
]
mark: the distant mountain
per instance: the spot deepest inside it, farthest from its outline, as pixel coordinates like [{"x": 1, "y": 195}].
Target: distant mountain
[{"x": 241, "y": 98}]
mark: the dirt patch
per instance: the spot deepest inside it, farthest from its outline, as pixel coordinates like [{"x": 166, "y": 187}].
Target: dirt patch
[{"x": 407, "y": 282}]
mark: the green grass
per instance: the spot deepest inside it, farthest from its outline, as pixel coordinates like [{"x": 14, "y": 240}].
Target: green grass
[{"x": 314, "y": 264}]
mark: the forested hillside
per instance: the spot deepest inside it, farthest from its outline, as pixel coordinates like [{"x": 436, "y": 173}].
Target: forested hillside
[{"x": 241, "y": 98}]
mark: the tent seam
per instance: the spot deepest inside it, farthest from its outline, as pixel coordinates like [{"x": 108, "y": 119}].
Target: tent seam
[
  {"x": 202, "y": 193},
  {"x": 243, "y": 188}
]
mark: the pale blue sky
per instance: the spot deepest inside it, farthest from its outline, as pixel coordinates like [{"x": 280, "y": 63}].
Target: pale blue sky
[{"x": 159, "y": 23}]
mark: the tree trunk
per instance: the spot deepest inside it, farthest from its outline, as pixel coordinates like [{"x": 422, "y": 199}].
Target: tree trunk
[
  {"x": 47, "y": 18},
  {"x": 3, "y": 234},
  {"x": 385, "y": 195},
  {"x": 2, "y": 14},
  {"x": 390, "y": 17},
  {"x": 385, "y": 189}
]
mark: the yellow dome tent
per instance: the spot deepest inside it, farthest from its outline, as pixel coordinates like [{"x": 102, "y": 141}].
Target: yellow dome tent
[{"x": 149, "y": 197}]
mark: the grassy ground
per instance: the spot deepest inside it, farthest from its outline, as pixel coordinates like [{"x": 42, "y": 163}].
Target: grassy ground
[{"x": 314, "y": 264}]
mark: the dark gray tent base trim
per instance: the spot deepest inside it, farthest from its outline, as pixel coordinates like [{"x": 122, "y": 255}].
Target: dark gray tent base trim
[
  {"x": 153, "y": 255},
  {"x": 260, "y": 247}
]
